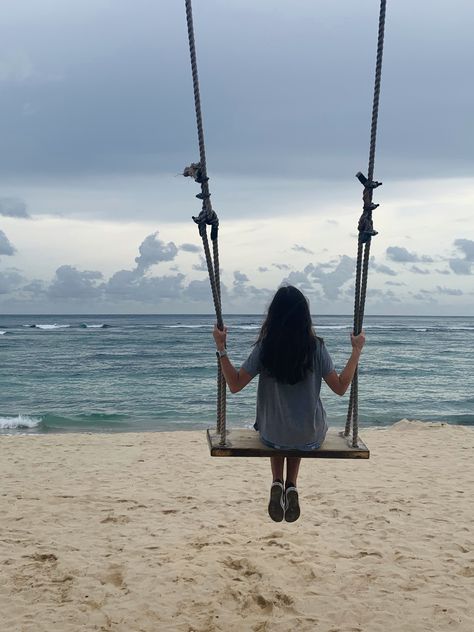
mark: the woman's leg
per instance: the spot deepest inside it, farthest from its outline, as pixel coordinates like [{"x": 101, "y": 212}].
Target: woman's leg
[
  {"x": 292, "y": 506},
  {"x": 277, "y": 463},
  {"x": 292, "y": 469}
]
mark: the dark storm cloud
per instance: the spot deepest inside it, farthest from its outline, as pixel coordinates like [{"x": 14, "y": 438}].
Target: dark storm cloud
[
  {"x": 292, "y": 101},
  {"x": 6, "y": 247},
  {"x": 13, "y": 207}
]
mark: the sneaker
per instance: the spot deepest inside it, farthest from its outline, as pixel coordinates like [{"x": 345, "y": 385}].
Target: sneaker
[
  {"x": 292, "y": 506},
  {"x": 276, "y": 506}
]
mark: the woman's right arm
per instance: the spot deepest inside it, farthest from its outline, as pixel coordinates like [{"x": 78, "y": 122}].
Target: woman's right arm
[{"x": 340, "y": 383}]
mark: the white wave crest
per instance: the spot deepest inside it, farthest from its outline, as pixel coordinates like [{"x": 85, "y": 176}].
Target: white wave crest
[
  {"x": 2, "y": 333},
  {"x": 21, "y": 421},
  {"x": 53, "y": 326}
]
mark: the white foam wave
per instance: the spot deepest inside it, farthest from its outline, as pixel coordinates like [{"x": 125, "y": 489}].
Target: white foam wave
[
  {"x": 2, "y": 333},
  {"x": 53, "y": 326},
  {"x": 21, "y": 421}
]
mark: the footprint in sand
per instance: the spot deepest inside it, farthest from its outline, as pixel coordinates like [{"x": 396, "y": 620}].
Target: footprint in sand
[{"x": 116, "y": 519}]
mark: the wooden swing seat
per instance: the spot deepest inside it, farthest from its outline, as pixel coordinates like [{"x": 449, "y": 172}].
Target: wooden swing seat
[{"x": 246, "y": 442}]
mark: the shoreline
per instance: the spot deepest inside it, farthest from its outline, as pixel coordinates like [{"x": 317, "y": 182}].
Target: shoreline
[{"x": 144, "y": 531}]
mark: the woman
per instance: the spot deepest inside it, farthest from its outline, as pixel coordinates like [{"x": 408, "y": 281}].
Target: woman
[{"x": 291, "y": 362}]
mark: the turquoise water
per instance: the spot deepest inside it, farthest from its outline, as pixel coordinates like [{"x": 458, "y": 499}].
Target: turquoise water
[{"x": 123, "y": 373}]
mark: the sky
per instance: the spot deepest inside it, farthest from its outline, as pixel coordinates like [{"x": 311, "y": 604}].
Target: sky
[{"x": 97, "y": 122}]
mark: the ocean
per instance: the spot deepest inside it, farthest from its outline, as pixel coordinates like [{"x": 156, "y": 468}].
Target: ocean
[{"x": 151, "y": 373}]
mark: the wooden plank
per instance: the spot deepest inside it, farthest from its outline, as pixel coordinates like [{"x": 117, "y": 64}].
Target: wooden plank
[{"x": 246, "y": 442}]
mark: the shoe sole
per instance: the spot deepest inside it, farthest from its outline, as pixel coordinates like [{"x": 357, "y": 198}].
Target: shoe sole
[
  {"x": 292, "y": 512},
  {"x": 275, "y": 508}
]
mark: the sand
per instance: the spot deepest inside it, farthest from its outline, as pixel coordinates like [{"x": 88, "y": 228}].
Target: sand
[{"x": 145, "y": 532}]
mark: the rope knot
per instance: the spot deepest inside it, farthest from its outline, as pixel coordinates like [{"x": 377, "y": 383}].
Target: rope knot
[
  {"x": 368, "y": 184},
  {"x": 366, "y": 227},
  {"x": 207, "y": 217},
  {"x": 195, "y": 172}
]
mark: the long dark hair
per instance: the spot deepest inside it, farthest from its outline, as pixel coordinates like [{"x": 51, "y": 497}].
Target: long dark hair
[{"x": 287, "y": 339}]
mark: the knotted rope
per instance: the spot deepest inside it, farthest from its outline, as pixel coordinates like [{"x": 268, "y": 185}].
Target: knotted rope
[
  {"x": 207, "y": 217},
  {"x": 366, "y": 232}
]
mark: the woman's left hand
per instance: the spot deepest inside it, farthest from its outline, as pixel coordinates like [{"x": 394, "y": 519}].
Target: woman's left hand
[{"x": 220, "y": 337}]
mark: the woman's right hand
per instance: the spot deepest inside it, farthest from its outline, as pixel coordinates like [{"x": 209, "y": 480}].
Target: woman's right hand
[{"x": 358, "y": 342}]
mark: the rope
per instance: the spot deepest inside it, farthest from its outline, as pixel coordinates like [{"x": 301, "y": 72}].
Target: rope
[
  {"x": 366, "y": 231},
  {"x": 207, "y": 217}
]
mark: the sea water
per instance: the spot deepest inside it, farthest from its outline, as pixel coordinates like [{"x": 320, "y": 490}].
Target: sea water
[{"x": 149, "y": 373}]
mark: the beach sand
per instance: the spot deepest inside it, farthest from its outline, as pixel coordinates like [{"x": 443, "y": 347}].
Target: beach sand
[{"x": 145, "y": 532}]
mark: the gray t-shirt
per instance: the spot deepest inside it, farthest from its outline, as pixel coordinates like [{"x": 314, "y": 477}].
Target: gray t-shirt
[{"x": 291, "y": 415}]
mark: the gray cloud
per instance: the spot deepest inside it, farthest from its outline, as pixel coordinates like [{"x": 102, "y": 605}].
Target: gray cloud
[
  {"x": 460, "y": 266},
  {"x": 382, "y": 268},
  {"x": 262, "y": 269},
  {"x": 153, "y": 250},
  {"x": 402, "y": 255},
  {"x": 113, "y": 131},
  {"x": 10, "y": 280},
  {"x": 71, "y": 283},
  {"x": 418, "y": 270},
  {"x": 464, "y": 265},
  {"x": 281, "y": 266},
  {"x": 201, "y": 266},
  {"x": 298, "y": 248},
  {"x": 300, "y": 280},
  {"x": 129, "y": 285},
  {"x": 189, "y": 248},
  {"x": 449, "y": 291},
  {"x": 13, "y": 207},
  {"x": 331, "y": 282},
  {"x": 6, "y": 247},
  {"x": 467, "y": 247}
]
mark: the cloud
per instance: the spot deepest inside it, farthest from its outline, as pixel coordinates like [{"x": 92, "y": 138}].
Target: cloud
[
  {"x": 189, "y": 248},
  {"x": 299, "y": 280},
  {"x": 298, "y": 248},
  {"x": 202, "y": 265},
  {"x": 449, "y": 291},
  {"x": 130, "y": 285},
  {"x": 442, "y": 271},
  {"x": 402, "y": 255},
  {"x": 382, "y": 268},
  {"x": 153, "y": 250},
  {"x": 71, "y": 283},
  {"x": 331, "y": 282},
  {"x": 13, "y": 207},
  {"x": 10, "y": 280},
  {"x": 463, "y": 265},
  {"x": 460, "y": 266},
  {"x": 6, "y": 247},
  {"x": 263, "y": 269},
  {"x": 281, "y": 266},
  {"x": 418, "y": 270},
  {"x": 240, "y": 278},
  {"x": 394, "y": 283},
  {"x": 467, "y": 246}
]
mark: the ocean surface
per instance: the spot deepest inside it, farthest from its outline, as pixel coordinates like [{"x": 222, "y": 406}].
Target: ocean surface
[{"x": 142, "y": 373}]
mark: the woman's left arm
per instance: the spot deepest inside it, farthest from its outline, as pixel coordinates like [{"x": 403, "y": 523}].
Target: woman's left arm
[{"x": 236, "y": 380}]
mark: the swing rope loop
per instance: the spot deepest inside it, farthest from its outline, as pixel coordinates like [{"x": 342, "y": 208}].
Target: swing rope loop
[
  {"x": 366, "y": 231},
  {"x": 207, "y": 217}
]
